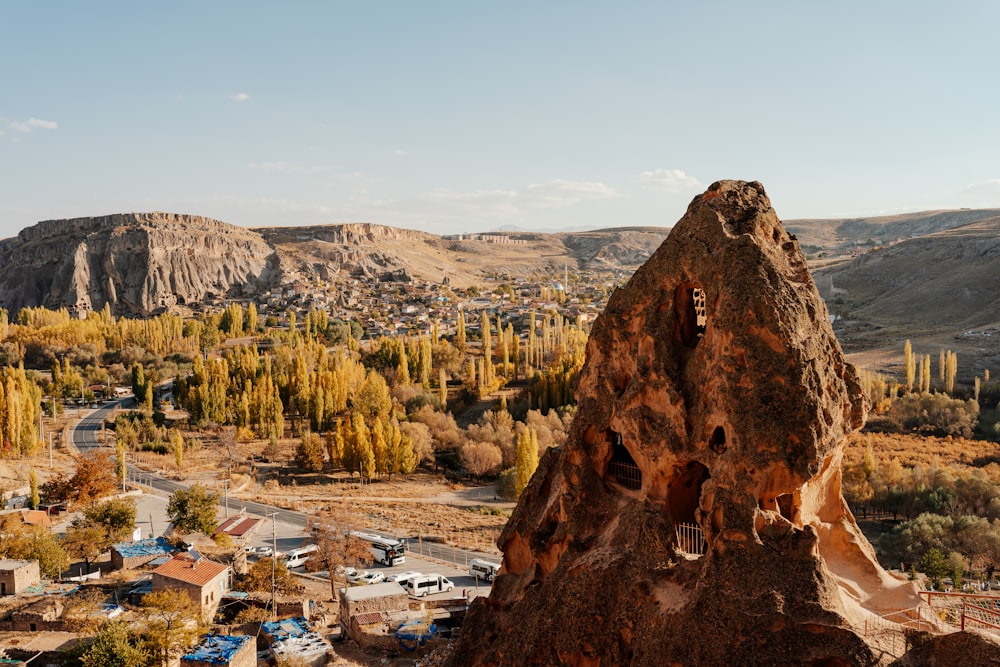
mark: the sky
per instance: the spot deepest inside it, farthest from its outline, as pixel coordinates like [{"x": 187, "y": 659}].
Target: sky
[{"x": 457, "y": 117}]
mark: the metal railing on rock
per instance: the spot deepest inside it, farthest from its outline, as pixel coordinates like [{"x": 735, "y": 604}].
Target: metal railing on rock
[{"x": 690, "y": 539}]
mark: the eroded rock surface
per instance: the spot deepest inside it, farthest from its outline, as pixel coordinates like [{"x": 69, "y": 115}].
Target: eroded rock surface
[
  {"x": 138, "y": 263},
  {"x": 712, "y": 411}
]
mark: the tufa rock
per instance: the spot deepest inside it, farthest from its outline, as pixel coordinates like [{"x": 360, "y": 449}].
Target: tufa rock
[{"x": 711, "y": 414}]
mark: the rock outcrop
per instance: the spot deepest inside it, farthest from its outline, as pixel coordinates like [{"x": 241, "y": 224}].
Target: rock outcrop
[
  {"x": 711, "y": 416},
  {"x": 137, "y": 263},
  {"x": 142, "y": 263}
]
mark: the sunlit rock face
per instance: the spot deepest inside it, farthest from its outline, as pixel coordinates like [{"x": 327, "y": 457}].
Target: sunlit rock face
[{"x": 713, "y": 409}]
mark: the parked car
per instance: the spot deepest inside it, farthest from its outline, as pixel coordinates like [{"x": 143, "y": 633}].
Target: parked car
[
  {"x": 402, "y": 577},
  {"x": 372, "y": 578},
  {"x": 357, "y": 576},
  {"x": 345, "y": 572}
]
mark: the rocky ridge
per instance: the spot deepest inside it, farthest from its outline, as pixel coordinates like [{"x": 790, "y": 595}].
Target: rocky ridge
[
  {"x": 711, "y": 416},
  {"x": 142, "y": 263}
]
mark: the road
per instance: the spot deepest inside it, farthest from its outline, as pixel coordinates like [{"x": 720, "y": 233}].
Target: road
[{"x": 85, "y": 437}]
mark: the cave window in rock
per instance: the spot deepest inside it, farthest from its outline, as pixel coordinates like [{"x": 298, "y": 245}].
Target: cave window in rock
[
  {"x": 683, "y": 498},
  {"x": 786, "y": 506},
  {"x": 622, "y": 466},
  {"x": 692, "y": 314},
  {"x": 717, "y": 443}
]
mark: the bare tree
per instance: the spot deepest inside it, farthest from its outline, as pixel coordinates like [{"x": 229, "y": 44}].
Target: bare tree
[
  {"x": 481, "y": 458},
  {"x": 331, "y": 529},
  {"x": 229, "y": 450}
]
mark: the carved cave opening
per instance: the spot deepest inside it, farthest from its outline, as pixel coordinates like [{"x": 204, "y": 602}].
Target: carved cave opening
[
  {"x": 717, "y": 443},
  {"x": 691, "y": 313},
  {"x": 684, "y": 492},
  {"x": 622, "y": 467}
]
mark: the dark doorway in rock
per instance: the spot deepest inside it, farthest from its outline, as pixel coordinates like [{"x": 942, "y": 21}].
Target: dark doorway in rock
[
  {"x": 717, "y": 443},
  {"x": 684, "y": 492},
  {"x": 622, "y": 466},
  {"x": 691, "y": 312}
]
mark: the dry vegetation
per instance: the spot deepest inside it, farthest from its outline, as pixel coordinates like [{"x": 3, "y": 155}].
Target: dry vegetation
[{"x": 913, "y": 450}]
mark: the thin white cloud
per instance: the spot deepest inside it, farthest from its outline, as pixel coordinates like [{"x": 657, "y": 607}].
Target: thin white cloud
[
  {"x": 671, "y": 180},
  {"x": 399, "y": 152},
  {"x": 32, "y": 124},
  {"x": 287, "y": 167},
  {"x": 240, "y": 97},
  {"x": 272, "y": 166},
  {"x": 559, "y": 193},
  {"x": 987, "y": 187}
]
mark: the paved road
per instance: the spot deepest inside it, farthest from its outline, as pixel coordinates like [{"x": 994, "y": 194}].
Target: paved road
[{"x": 86, "y": 438}]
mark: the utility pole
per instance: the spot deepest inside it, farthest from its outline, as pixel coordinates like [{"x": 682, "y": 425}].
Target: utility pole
[
  {"x": 225, "y": 485},
  {"x": 274, "y": 563}
]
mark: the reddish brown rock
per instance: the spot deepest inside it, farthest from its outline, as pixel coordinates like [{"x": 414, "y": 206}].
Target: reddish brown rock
[{"x": 714, "y": 396}]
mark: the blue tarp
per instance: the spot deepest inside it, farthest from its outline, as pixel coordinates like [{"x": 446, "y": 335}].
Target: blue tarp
[
  {"x": 218, "y": 649},
  {"x": 154, "y": 547},
  {"x": 289, "y": 627}
]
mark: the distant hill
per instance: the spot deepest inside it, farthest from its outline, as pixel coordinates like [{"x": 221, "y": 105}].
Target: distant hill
[
  {"x": 142, "y": 263},
  {"x": 835, "y": 235}
]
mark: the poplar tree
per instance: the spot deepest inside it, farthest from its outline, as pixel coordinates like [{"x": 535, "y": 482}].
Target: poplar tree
[
  {"x": 910, "y": 364},
  {"x": 460, "y": 332},
  {"x": 527, "y": 459}
]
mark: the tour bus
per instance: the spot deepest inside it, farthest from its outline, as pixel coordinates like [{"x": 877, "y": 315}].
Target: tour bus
[
  {"x": 386, "y": 550},
  {"x": 483, "y": 569},
  {"x": 429, "y": 583},
  {"x": 298, "y": 557}
]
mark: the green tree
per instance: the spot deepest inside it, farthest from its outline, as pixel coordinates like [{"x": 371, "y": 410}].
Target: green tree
[
  {"x": 114, "y": 645},
  {"x": 116, "y": 516},
  {"x": 934, "y": 565},
  {"x": 194, "y": 509}
]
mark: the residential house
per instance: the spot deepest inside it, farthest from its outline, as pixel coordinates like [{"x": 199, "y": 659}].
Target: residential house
[
  {"x": 204, "y": 580},
  {"x": 18, "y": 575}
]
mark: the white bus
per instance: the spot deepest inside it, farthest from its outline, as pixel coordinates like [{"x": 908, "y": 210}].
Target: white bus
[
  {"x": 483, "y": 569},
  {"x": 386, "y": 550}
]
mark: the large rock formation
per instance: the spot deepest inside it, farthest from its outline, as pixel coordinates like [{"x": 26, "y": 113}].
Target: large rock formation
[
  {"x": 137, "y": 263},
  {"x": 713, "y": 406},
  {"x": 141, "y": 263}
]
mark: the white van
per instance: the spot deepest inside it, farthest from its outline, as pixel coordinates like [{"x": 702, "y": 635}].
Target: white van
[
  {"x": 298, "y": 557},
  {"x": 483, "y": 569},
  {"x": 429, "y": 583}
]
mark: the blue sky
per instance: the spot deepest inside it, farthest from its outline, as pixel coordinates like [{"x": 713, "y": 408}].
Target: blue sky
[{"x": 468, "y": 116}]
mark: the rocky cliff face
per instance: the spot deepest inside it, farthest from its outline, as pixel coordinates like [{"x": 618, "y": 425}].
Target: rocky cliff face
[
  {"x": 138, "y": 263},
  {"x": 712, "y": 411}
]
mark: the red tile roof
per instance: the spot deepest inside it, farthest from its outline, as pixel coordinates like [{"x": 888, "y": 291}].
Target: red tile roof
[
  {"x": 183, "y": 567},
  {"x": 238, "y": 526}
]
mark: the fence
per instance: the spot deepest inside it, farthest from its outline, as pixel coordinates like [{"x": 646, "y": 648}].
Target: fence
[
  {"x": 690, "y": 539},
  {"x": 453, "y": 555}
]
